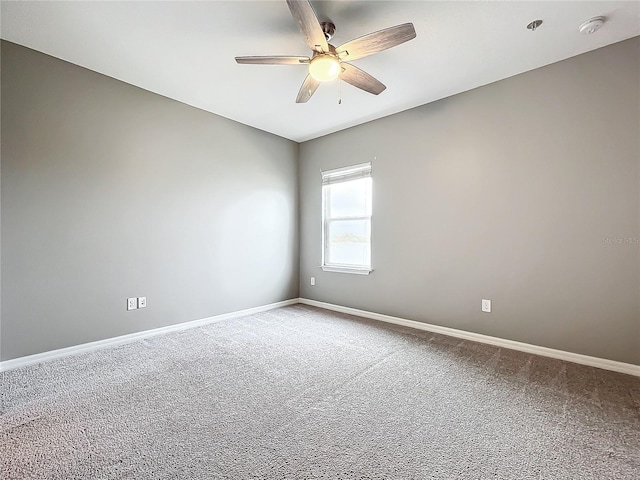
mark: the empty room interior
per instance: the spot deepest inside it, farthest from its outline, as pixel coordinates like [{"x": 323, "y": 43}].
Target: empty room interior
[{"x": 328, "y": 239}]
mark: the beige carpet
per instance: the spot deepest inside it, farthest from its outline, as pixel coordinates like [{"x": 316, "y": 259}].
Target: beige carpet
[{"x": 304, "y": 393}]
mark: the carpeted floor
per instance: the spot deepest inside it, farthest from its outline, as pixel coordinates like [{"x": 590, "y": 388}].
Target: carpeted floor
[{"x": 301, "y": 392}]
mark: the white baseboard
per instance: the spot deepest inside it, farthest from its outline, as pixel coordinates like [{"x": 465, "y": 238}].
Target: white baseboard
[
  {"x": 603, "y": 363},
  {"x": 110, "y": 342}
]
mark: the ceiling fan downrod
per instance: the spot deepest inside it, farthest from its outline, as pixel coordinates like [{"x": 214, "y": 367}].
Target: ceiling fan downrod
[{"x": 329, "y": 29}]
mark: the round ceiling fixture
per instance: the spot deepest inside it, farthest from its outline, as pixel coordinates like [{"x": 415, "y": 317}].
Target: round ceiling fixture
[
  {"x": 533, "y": 25},
  {"x": 592, "y": 25}
]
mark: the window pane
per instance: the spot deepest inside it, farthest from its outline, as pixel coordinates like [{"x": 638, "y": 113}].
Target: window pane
[
  {"x": 349, "y": 242},
  {"x": 350, "y": 199}
]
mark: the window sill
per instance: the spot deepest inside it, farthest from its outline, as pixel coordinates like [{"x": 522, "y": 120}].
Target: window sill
[{"x": 352, "y": 270}]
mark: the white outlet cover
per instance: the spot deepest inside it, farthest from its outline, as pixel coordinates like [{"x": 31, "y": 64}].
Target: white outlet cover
[
  {"x": 486, "y": 305},
  {"x": 132, "y": 303},
  {"x": 142, "y": 302}
]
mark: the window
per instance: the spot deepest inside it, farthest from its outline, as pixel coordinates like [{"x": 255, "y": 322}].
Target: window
[{"x": 346, "y": 219}]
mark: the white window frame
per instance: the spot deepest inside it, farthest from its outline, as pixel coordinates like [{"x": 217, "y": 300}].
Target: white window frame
[{"x": 331, "y": 177}]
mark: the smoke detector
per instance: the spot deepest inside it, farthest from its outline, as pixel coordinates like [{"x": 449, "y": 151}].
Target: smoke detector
[{"x": 592, "y": 25}]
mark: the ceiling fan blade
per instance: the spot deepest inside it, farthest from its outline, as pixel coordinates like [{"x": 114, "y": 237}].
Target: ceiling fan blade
[
  {"x": 280, "y": 60},
  {"x": 361, "y": 79},
  {"x": 309, "y": 87},
  {"x": 308, "y": 24},
  {"x": 376, "y": 42}
]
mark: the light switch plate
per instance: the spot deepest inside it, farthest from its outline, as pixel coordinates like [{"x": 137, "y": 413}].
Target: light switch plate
[{"x": 142, "y": 302}]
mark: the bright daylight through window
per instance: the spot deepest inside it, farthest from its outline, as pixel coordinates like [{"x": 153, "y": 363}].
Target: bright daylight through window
[{"x": 346, "y": 219}]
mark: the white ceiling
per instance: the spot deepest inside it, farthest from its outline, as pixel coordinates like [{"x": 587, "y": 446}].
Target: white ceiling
[{"x": 185, "y": 50}]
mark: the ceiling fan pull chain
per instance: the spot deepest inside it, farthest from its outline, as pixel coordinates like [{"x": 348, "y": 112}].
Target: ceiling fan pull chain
[{"x": 340, "y": 92}]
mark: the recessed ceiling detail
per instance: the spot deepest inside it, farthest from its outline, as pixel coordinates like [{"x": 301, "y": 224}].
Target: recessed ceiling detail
[{"x": 534, "y": 25}]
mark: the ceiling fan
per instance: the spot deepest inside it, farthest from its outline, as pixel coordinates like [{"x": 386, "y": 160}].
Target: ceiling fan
[{"x": 328, "y": 62}]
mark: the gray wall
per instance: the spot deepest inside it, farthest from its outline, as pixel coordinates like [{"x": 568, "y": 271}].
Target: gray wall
[
  {"x": 525, "y": 192},
  {"x": 109, "y": 192},
  {"x": 507, "y": 192}
]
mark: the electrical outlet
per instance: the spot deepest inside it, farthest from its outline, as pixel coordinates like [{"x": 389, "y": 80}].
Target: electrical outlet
[
  {"x": 142, "y": 302},
  {"x": 132, "y": 303},
  {"x": 313, "y": 280},
  {"x": 486, "y": 305}
]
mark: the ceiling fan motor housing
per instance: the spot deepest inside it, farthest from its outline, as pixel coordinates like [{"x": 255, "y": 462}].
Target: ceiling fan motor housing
[{"x": 332, "y": 51}]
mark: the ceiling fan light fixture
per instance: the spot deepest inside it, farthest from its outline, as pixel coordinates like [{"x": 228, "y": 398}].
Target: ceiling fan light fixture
[{"x": 324, "y": 68}]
